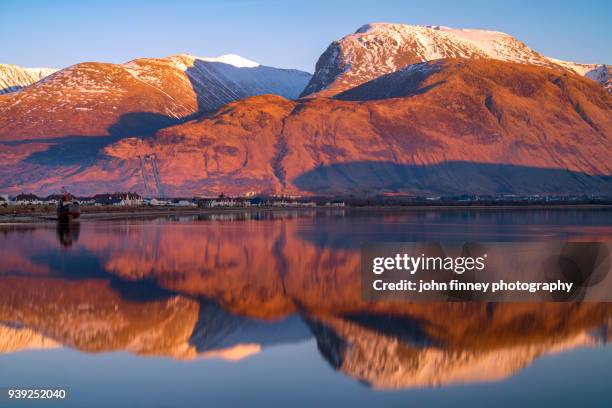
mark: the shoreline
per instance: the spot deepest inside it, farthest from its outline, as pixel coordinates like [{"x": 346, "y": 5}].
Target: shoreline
[{"x": 12, "y": 215}]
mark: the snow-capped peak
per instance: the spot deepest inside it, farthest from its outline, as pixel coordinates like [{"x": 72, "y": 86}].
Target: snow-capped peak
[
  {"x": 434, "y": 41},
  {"x": 376, "y": 49},
  {"x": 233, "y": 59}
]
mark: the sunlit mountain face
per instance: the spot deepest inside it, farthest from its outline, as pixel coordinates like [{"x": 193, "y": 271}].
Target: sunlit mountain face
[
  {"x": 416, "y": 110},
  {"x": 235, "y": 285}
]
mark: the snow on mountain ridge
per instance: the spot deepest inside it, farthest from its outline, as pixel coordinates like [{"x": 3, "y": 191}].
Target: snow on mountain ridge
[
  {"x": 233, "y": 59},
  {"x": 184, "y": 61},
  {"x": 597, "y": 72}
]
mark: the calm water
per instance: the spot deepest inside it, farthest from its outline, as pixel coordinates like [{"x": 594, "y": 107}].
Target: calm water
[{"x": 263, "y": 309}]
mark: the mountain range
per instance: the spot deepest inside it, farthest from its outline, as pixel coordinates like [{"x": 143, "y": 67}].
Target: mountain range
[{"x": 390, "y": 109}]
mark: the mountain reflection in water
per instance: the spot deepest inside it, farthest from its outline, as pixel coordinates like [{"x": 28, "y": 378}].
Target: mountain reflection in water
[{"x": 229, "y": 285}]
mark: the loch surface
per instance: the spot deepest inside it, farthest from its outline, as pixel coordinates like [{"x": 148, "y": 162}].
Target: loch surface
[{"x": 263, "y": 308}]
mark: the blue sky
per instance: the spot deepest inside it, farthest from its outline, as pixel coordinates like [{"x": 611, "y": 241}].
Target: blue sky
[{"x": 289, "y": 34}]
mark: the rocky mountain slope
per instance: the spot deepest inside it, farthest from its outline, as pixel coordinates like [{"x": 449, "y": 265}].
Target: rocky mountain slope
[
  {"x": 13, "y": 78},
  {"x": 438, "y": 128},
  {"x": 381, "y": 48}
]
